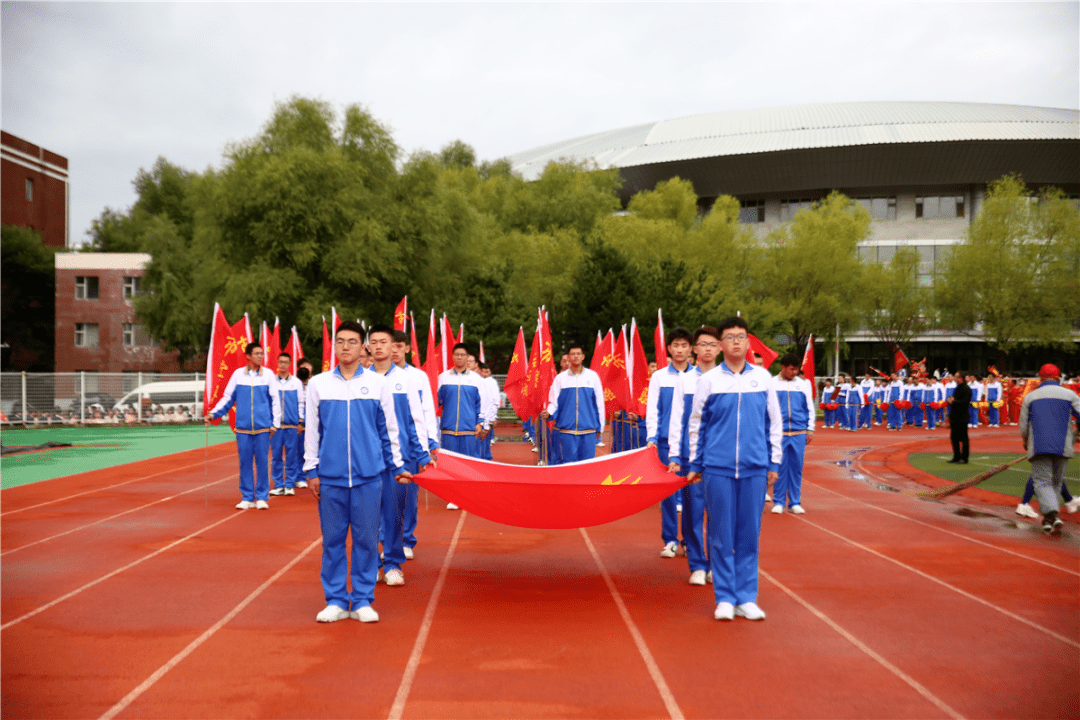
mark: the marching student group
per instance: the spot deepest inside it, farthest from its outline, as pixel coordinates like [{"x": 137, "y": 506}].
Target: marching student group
[{"x": 367, "y": 426}]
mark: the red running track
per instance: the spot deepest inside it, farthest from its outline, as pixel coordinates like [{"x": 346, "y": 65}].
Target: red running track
[{"x": 139, "y": 592}]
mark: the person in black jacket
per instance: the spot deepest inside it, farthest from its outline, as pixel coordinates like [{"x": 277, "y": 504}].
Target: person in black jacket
[{"x": 959, "y": 405}]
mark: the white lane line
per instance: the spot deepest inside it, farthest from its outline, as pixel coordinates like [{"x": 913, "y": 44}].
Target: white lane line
[
  {"x": 398, "y": 708},
  {"x": 915, "y": 684},
  {"x": 965, "y": 593},
  {"x": 113, "y": 517},
  {"x": 103, "y": 578},
  {"x": 863, "y": 470},
  {"x": 109, "y": 487},
  {"x": 650, "y": 663},
  {"x": 194, "y": 645}
]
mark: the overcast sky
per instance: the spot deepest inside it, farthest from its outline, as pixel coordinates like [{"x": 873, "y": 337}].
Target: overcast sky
[{"x": 112, "y": 86}]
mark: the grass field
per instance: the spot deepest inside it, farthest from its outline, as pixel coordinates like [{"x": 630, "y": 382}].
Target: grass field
[
  {"x": 1007, "y": 482},
  {"x": 94, "y": 448}
]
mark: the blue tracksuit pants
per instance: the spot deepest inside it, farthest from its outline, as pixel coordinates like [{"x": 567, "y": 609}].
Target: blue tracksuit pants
[
  {"x": 285, "y": 457},
  {"x": 355, "y": 510},
  {"x": 693, "y": 521},
  {"x": 391, "y": 528},
  {"x": 408, "y": 528},
  {"x": 554, "y": 447},
  {"x": 461, "y": 444},
  {"x": 734, "y": 508},
  {"x": 865, "y": 416},
  {"x": 576, "y": 447},
  {"x": 787, "y": 490},
  {"x": 853, "y": 417},
  {"x": 895, "y": 416},
  {"x": 669, "y": 512},
  {"x": 253, "y": 447}
]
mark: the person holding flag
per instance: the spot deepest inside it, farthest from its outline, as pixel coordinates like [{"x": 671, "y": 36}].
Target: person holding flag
[
  {"x": 797, "y": 414},
  {"x": 258, "y": 415},
  {"x": 576, "y": 402},
  {"x": 827, "y": 394},
  {"x": 663, "y": 385},
  {"x": 304, "y": 371},
  {"x": 285, "y": 452},
  {"x": 735, "y": 449},
  {"x": 460, "y": 397}
]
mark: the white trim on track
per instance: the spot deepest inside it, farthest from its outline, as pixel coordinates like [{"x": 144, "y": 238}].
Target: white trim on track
[{"x": 650, "y": 663}]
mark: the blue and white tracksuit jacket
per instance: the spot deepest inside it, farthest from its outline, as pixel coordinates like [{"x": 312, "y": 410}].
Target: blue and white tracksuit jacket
[
  {"x": 993, "y": 394},
  {"x": 576, "y": 404},
  {"x": 894, "y": 415},
  {"x": 664, "y": 385},
  {"x": 286, "y": 471},
  {"x": 976, "y": 396},
  {"x": 866, "y": 412},
  {"x": 736, "y": 432},
  {"x": 461, "y": 399},
  {"x": 489, "y": 401},
  {"x": 1044, "y": 420},
  {"x": 797, "y": 412},
  {"x": 826, "y": 397},
  {"x": 352, "y": 444},
  {"x": 693, "y": 496},
  {"x": 258, "y": 409}
]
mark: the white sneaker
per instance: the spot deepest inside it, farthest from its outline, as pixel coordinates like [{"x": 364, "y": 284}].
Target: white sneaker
[
  {"x": 798, "y": 510},
  {"x": 301, "y": 484},
  {"x": 708, "y": 577},
  {"x": 724, "y": 611},
  {"x": 777, "y": 509},
  {"x": 331, "y": 613},
  {"x": 408, "y": 553},
  {"x": 1073, "y": 505},
  {"x": 279, "y": 490},
  {"x": 1025, "y": 510},
  {"x": 697, "y": 577},
  {"x": 365, "y": 614},
  {"x": 290, "y": 491},
  {"x": 262, "y": 505},
  {"x": 395, "y": 577},
  {"x": 678, "y": 508},
  {"x": 451, "y": 506},
  {"x": 536, "y": 449},
  {"x": 750, "y": 611},
  {"x": 768, "y": 497},
  {"x": 669, "y": 550},
  {"x": 245, "y": 505}
]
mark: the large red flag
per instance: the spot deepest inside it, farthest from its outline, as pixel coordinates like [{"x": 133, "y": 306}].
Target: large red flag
[
  {"x": 295, "y": 350},
  {"x": 541, "y": 368},
  {"x": 660, "y": 341},
  {"x": 272, "y": 346},
  {"x": 401, "y": 314},
  {"x": 433, "y": 363},
  {"x": 327, "y": 347},
  {"x": 767, "y": 354},
  {"x": 547, "y": 357},
  {"x": 515, "y": 387},
  {"x": 808, "y": 365},
  {"x": 899, "y": 358},
  {"x": 227, "y": 345},
  {"x": 617, "y": 379},
  {"x": 639, "y": 371},
  {"x": 414, "y": 347},
  {"x": 598, "y": 354},
  {"x": 607, "y": 367}
]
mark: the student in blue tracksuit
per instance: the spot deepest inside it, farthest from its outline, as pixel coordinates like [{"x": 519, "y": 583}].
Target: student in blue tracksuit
[
  {"x": 304, "y": 371},
  {"x": 419, "y": 380},
  {"x": 576, "y": 403},
  {"x": 993, "y": 395},
  {"x": 351, "y": 446},
  {"x": 412, "y": 431},
  {"x": 735, "y": 448},
  {"x": 840, "y": 398},
  {"x": 706, "y": 348},
  {"x": 797, "y": 413},
  {"x": 663, "y": 385},
  {"x": 976, "y": 397},
  {"x": 866, "y": 412},
  {"x": 285, "y": 471},
  {"x": 854, "y": 404},
  {"x": 894, "y": 416},
  {"x": 258, "y": 415},
  {"x": 916, "y": 398},
  {"x": 1048, "y": 419},
  {"x": 461, "y": 400},
  {"x": 827, "y": 393}
]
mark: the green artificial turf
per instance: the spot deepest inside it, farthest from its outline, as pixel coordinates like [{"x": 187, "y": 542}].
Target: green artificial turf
[
  {"x": 96, "y": 447},
  {"x": 1007, "y": 482}
]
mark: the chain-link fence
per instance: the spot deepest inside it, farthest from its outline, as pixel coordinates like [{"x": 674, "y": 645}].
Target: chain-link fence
[{"x": 100, "y": 398}]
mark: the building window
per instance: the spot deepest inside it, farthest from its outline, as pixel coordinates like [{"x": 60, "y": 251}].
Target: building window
[
  {"x": 752, "y": 211},
  {"x": 789, "y": 208},
  {"x": 880, "y": 208},
  {"x": 136, "y": 336},
  {"x": 86, "y": 335},
  {"x": 939, "y": 207},
  {"x": 86, "y": 287},
  {"x": 132, "y": 287},
  {"x": 29, "y": 190}
]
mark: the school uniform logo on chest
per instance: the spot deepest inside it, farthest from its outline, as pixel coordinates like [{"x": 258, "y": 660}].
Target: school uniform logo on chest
[
  {"x": 398, "y": 386},
  {"x": 363, "y": 391},
  {"x": 753, "y": 383}
]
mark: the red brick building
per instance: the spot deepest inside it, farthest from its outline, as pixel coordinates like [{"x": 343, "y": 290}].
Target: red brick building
[
  {"x": 96, "y": 327},
  {"x": 35, "y": 190}
]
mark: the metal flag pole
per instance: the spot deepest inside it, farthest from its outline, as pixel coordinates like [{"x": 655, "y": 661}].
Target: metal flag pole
[{"x": 206, "y": 472}]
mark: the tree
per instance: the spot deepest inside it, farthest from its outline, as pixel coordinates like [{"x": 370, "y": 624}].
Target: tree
[
  {"x": 1016, "y": 279},
  {"x": 27, "y": 300},
  {"x": 812, "y": 268},
  {"x": 672, "y": 199},
  {"x": 161, "y": 191},
  {"x": 895, "y": 303},
  {"x": 605, "y": 294}
]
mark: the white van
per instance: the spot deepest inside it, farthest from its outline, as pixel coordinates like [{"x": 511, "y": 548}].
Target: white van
[{"x": 167, "y": 394}]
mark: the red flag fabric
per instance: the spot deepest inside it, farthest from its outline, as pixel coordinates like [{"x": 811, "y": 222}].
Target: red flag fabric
[
  {"x": 639, "y": 371},
  {"x": 295, "y": 350},
  {"x": 617, "y": 377},
  {"x": 460, "y": 334},
  {"x": 433, "y": 363},
  {"x": 272, "y": 347},
  {"x": 899, "y": 358},
  {"x": 877, "y": 371},
  {"x": 515, "y": 388},
  {"x": 603, "y": 360},
  {"x": 578, "y": 494},
  {"x": 547, "y": 358},
  {"x": 481, "y": 358},
  {"x": 327, "y": 347},
  {"x": 808, "y": 365},
  {"x": 401, "y": 314},
  {"x": 598, "y": 354},
  {"x": 660, "y": 342},
  {"x": 414, "y": 347},
  {"x": 226, "y": 355},
  {"x": 767, "y": 354}
]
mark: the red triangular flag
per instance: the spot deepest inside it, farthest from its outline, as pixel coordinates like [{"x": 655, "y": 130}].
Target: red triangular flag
[
  {"x": 660, "y": 342},
  {"x": 767, "y": 354},
  {"x": 515, "y": 386},
  {"x": 639, "y": 370},
  {"x": 808, "y": 365},
  {"x": 401, "y": 314}
]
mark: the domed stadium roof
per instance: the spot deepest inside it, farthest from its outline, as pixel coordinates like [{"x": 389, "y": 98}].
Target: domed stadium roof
[{"x": 920, "y": 142}]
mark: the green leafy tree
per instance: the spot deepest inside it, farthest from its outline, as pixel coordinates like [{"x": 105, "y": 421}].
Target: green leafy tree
[
  {"x": 607, "y": 292},
  {"x": 672, "y": 199},
  {"x": 1016, "y": 279},
  {"x": 27, "y": 300},
  {"x": 896, "y": 306}
]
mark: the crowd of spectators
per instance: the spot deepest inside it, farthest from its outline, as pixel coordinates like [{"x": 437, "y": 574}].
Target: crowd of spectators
[{"x": 98, "y": 415}]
